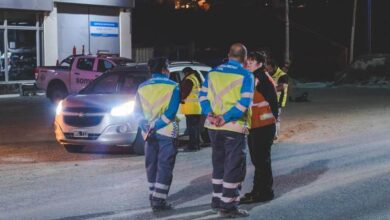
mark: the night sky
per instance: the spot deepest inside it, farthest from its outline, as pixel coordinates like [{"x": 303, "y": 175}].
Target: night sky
[{"x": 320, "y": 30}]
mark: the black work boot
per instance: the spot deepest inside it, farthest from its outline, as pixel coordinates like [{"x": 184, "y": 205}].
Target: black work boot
[
  {"x": 247, "y": 198},
  {"x": 255, "y": 197},
  {"x": 265, "y": 196},
  {"x": 233, "y": 213}
]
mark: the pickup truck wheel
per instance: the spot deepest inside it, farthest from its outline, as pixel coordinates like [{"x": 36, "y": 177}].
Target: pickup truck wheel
[
  {"x": 139, "y": 144},
  {"x": 73, "y": 148},
  {"x": 57, "y": 92}
]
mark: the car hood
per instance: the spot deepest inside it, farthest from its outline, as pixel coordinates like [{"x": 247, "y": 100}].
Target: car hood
[{"x": 102, "y": 101}]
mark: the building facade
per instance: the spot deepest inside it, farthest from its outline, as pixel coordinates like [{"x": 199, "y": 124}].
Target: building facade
[{"x": 43, "y": 32}]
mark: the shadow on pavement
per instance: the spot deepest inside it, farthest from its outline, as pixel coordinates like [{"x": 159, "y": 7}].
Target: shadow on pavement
[
  {"x": 297, "y": 178},
  {"x": 198, "y": 187},
  {"x": 201, "y": 186}
]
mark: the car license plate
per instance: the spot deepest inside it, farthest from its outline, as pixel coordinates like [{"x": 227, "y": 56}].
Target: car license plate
[{"x": 80, "y": 134}]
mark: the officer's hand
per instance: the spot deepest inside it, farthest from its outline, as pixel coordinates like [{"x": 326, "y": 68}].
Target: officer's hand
[
  {"x": 220, "y": 121},
  {"x": 212, "y": 119}
]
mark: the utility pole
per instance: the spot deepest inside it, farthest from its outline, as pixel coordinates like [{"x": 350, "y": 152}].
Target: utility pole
[
  {"x": 369, "y": 8},
  {"x": 351, "y": 48},
  {"x": 287, "y": 52}
]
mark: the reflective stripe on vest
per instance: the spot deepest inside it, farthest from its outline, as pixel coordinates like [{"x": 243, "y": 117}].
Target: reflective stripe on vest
[
  {"x": 191, "y": 104},
  {"x": 154, "y": 99},
  {"x": 218, "y": 96},
  {"x": 260, "y": 104},
  {"x": 224, "y": 93},
  {"x": 165, "y": 99}
]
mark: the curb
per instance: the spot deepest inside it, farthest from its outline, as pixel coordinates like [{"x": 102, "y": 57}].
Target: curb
[{"x": 18, "y": 95}]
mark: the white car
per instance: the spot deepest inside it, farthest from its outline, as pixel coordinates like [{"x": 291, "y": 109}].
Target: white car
[{"x": 101, "y": 114}]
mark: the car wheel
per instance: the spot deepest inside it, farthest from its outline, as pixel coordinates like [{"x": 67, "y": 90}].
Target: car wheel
[
  {"x": 73, "y": 148},
  {"x": 139, "y": 144},
  {"x": 57, "y": 92}
]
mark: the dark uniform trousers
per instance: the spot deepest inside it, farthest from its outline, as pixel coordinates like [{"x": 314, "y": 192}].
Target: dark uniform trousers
[
  {"x": 160, "y": 156},
  {"x": 260, "y": 141},
  {"x": 193, "y": 127},
  {"x": 229, "y": 167}
]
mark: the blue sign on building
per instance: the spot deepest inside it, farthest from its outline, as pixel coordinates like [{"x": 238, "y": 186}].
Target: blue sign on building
[{"x": 104, "y": 29}]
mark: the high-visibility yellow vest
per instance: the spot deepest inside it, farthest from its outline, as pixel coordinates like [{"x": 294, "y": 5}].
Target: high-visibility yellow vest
[
  {"x": 191, "y": 104},
  {"x": 282, "y": 95},
  {"x": 224, "y": 92},
  {"x": 154, "y": 99}
]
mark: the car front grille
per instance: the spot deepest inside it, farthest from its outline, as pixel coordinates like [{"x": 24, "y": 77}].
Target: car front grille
[
  {"x": 84, "y": 110},
  {"x": 90, "y": 136},
  {"x": 86, "y": 121}
]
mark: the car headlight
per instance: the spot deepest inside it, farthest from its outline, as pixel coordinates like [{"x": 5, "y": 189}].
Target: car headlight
[
  {"x": 123, "y": 110},
  {"x": 59, "y": 108}
]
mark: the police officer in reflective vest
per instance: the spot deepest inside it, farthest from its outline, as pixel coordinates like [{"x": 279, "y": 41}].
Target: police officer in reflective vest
[
  {"x": 225, "y": 97},
  {"x": 281, "y": 80},
  {"x": 159, "y": 100},
  {"x": 263, "y": 114},
  {"x": 190, "y": 106}
]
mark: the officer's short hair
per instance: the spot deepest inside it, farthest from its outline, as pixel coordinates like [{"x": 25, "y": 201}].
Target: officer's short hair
[
  {"x": 257, "y": 56},
  {"x": 157, "y": 65},
  {"x": 238, "y": 51},
  {"x": 188, "y": 70}
]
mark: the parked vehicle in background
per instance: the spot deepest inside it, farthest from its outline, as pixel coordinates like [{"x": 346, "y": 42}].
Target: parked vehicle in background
[
  {"x": 102, "y": 113},
  {"x": 370, "y": 68},
  {"x": 74, "y": 73}
]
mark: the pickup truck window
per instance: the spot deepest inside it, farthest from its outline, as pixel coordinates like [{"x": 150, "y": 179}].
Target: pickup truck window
[
  {"x": 85, "y": 64},
  {"x": 67, "y": 61},
  {"x": 104, "y": 65}
]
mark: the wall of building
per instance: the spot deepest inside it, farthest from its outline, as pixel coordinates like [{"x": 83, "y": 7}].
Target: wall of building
[
  {"x": 125, "y": 34},
  {"x": 50, "y": 36},
  {"x": 75, "y": 23}
]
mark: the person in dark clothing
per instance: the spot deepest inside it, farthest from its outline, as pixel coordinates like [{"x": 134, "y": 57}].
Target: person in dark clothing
[
  {"x": 190, "y": 106},
  {"x": 264, "y": 112}
]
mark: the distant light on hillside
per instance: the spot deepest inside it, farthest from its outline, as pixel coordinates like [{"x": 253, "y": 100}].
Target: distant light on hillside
[{"x": 191, "y": 4}]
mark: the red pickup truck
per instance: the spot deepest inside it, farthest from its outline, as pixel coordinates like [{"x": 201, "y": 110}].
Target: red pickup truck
[{"x": 73, "y": 74}]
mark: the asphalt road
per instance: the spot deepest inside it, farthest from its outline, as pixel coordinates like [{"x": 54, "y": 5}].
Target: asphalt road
[{"x": 332, "y": 162}]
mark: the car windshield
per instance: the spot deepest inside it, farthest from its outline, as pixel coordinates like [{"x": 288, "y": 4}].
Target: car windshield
[
  {"x": 106, "y": 84},
  {"x": 131, "y": 82},
  {"x": 113, "y": 83}
]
